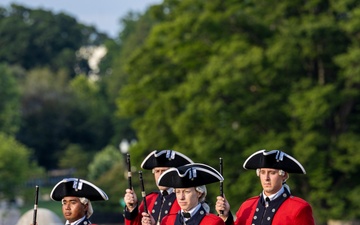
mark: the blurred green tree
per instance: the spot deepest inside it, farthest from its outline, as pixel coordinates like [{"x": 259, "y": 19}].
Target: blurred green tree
[
  {"x": 9, "y": 101},
  {"x": 136, "y": 28},
  {"x": 58, "y": 111},
  {"x": 37, "y": 38},
  {"x": 74, "y": 157},
  {"x": 45, "y": 107},
  {"x": 15, "y": 166},
  {"x": 228, "y": 78},
  {"x": 103, "y": 161}
]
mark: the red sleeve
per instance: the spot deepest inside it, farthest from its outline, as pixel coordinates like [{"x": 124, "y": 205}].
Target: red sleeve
[
  {"x": 212, "y": 219},
  {"x": 150, "y": 199},
  {"x": 168, "y": 219},
  {"x": 246, "y": 211},
  {"x": 305, "y": 216}
]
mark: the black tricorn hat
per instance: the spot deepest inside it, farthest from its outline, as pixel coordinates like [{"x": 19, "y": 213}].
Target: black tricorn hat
[
  {"x": 275, "y": 159},
  {"x": 78, "y": 188},
  {"x": 165, "y": 158},
  {"x": 190, "y": 175}
]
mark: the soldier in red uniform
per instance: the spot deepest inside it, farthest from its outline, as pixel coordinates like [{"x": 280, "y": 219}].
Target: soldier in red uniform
[
  {"x": 189, "y": 182},
  {"x": 161, "y": 202},
  {"x": 275, "y": 205}
]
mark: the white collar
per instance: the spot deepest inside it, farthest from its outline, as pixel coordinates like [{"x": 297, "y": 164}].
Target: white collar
[
  {"x": 169, "y": 190},
  {"x": 75, "y": 222},
  {"x": 193, "y": 211},
  {"x": 274, "y": 196}
]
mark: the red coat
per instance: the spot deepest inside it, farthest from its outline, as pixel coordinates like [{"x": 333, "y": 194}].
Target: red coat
[
  {"x": 209, "y": 219},
  {"x": 150, "y": 201},
  {"x": 293, "y": 211}
]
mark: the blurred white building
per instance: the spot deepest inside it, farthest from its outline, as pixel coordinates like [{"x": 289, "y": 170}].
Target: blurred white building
[{"x": 44, "y": 217}]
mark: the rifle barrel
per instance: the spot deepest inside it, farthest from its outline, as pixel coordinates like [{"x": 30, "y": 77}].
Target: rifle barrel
[
  {"x": 129, "y": 170},
  {"x": 221, "y": 182},
  {"x": 143, "y": 191},
  {"x": 36, "y": 204}
]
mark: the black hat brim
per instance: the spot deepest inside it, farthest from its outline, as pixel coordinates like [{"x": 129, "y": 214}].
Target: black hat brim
[
  {"x": 190, "y": 175},
  {"x": 78, "y": 188},
  {"x": 165, "y": 158},
  {"x": 273, "y": 159}
]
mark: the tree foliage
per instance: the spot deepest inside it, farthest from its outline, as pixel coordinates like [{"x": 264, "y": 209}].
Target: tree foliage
[
  {"x": 114, "y": 76},
  {"x": 9, "y": 101},
  {"x": 207, "y": 78},
  {"x": 58, "y": 111},
  {"x": 46, "y": 104},
  {"x": 107, "y": 169},
  {"x": 74, "y": 157},
  {"x": 15, "y": 166},
  {"x": 227, "y": 78},
  {"x": 103, "y": 162},
  {"x": 45, "y": 107},
  {"x": 37, "y": 38}
]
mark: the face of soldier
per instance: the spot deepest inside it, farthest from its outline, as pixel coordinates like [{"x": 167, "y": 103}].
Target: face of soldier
[
  {"x": 187, "y": 198},
  {"x": 72, "y": 208},
  {"x": 157, "y": 171},
  {"x": 271, "y": 180}
]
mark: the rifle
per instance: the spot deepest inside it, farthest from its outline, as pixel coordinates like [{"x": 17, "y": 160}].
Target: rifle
[
  {"x": 221, "y": 182},
  {"x": 36, "y": 204},
  {"x": 143, "y": 191},
  {"x": 129, "y": 170}
]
